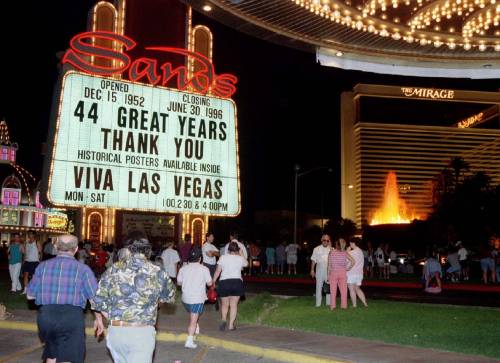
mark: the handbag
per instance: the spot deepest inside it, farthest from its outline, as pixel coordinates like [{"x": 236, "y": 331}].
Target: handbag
[
  {"x": 212, "y": 295},
  {"x": 326, "y": 288}
]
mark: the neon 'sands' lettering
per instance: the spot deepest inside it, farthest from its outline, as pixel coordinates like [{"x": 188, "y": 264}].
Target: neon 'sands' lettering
[{"x": 83, "y": 48}]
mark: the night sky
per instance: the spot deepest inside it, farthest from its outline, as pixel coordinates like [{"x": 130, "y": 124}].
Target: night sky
[{"x": 288, "y": 106}]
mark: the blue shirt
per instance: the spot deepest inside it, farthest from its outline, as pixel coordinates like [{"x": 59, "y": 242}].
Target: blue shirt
[
  {"x": 15, "y": 255},
  {"x": 270, "y": 252},
  {"x": 62, "y": 280}
]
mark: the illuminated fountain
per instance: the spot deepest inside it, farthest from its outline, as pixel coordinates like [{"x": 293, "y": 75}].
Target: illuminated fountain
[{"x": 393, "y": 209}]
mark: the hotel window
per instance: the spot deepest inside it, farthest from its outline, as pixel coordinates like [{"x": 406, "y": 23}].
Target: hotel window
[
  {"x": 5, "y": 153},
  {"x": 38, "y": 216},
  {"x": 14, "y": 198},
  {"x": 10, "y": 197},
  {"x": 6, "y": 197},
  {"x": 12, "y": 155}
]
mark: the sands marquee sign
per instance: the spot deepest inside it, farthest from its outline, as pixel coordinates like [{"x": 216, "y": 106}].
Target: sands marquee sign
[{"x": 137, "y": 145}]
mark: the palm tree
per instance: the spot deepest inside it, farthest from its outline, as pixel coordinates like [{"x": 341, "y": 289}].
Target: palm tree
[{"x": 459, "y": 165}]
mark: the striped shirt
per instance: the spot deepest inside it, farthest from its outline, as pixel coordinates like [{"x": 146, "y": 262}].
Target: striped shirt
[
  {"x": 62, "y": 280},
  {"x": 337, "y": 261}
]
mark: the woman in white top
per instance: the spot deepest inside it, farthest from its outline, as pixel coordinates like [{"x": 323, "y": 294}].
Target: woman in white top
[
  {"x": 32, "y": 253},
  {"x": 230, "y": 287}
]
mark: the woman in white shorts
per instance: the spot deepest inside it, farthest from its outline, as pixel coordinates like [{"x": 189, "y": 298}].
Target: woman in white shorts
[{"x": 355, "y": 274}]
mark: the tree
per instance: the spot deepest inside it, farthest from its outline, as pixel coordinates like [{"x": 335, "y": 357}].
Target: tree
[
  {"x": 470, "y": 210},
  {"x": 340, "y": 228},
  {"x": 458, "y": 165}
]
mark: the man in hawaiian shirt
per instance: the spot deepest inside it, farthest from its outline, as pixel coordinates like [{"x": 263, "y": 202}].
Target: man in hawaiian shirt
[{"x": 128, "y": 296}]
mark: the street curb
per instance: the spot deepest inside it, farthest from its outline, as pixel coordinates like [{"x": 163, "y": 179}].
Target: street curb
[{"x": 269, "y": 353}]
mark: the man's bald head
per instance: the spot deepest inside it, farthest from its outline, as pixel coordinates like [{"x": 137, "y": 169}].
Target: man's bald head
[{"x": 66, "y": 243}]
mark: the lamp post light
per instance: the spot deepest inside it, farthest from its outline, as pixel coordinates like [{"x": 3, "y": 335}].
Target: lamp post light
[{"x": 297, "y": 175}]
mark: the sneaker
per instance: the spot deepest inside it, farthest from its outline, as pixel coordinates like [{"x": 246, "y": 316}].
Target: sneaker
[
  {"x": 222, "y": 326},
  {"x": 24, "y": 292},
  {"x": 190, "y": 344}
]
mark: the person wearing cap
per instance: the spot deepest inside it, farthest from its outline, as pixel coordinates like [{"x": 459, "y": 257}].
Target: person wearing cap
[
  {"x": 61, "y": 286},
  {"x": 194, "y": 278},
  {"x": 128, "y": 296}
]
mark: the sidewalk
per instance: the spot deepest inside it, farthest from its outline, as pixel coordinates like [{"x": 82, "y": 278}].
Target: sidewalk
[{"x": 246, "y": 344}]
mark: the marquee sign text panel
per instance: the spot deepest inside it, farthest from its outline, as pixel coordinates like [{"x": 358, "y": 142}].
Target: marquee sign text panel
[{"x": 126, "y": 145}]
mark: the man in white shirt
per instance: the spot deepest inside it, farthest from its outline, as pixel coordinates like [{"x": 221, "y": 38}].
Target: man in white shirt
[
  {"x": 319, "y": 267},
  {"x": 233, "y": 237},
  {"x": 171, "y": 259},
  {"x": 210, "y": 254},
  {"x": 463, "y": 256},
  {"x": 194, "y": 278}
]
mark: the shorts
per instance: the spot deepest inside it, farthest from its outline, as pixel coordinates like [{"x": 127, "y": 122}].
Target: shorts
[
  {"x": 464, "y": 263},
  {"x": 291, "y": 260},
  {"x": 487, "y": 264},
  {"x": 230, "y": 287},
  {"x": 452, "y": 269},
  {"x": 270, "y": 261},
  {"x": 211, "y": 268},
  {"x": 62, "y": 329},
  {"x": 194, "y": 308},
  {"x": 354, "y": 279},
  {"x": 29, "y": 267},
  {"x": 433, "y": 274},
  {"x": 380, "y": 263}
]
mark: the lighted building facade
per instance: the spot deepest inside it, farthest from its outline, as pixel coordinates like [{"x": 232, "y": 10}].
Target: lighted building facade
[
  {"x": 20, "y": 207},
  {"x": 149, "y": 22},
  {"x": 416, "y": 153}
]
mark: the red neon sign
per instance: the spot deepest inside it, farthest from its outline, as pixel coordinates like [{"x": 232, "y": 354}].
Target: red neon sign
[{"x": 146, "y": 69}]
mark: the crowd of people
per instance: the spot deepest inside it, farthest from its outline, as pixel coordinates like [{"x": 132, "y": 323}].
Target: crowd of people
[
  {"x": 336, "y": 268},
  {"x": 125, "y": 286},
  {"x": 457, "y": 265}
]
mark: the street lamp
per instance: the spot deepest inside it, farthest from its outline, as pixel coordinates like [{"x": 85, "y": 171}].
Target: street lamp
[{"x": 297, "y": 175}]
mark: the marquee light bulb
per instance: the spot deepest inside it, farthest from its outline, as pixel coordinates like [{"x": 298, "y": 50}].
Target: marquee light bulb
[{"x": 473, "y": 18}]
